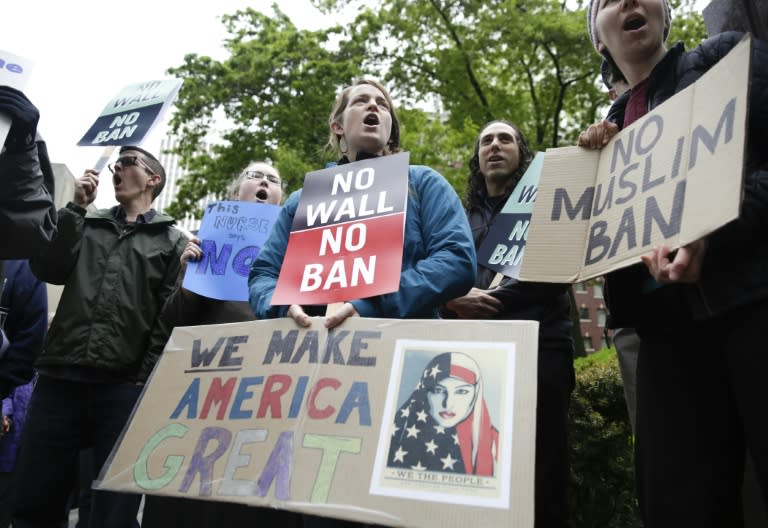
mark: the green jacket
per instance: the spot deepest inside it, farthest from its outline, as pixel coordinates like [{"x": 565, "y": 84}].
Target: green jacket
[{"x": 115, "y": 282}]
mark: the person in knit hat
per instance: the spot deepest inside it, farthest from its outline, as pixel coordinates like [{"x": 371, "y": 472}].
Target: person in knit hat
[
  {"x": 700, "y": 310},
  {"x": 594, "y": 7}
]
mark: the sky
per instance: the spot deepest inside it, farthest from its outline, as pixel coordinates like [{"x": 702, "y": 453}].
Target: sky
[{"x": 85, "y": 51}]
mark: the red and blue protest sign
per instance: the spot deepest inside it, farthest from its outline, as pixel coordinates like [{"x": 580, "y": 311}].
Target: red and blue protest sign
[{"x": 346, "y": 240}]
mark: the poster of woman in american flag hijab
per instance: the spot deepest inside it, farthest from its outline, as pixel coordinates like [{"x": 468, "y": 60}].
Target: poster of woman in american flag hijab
[{"x": 443, "y": 439}]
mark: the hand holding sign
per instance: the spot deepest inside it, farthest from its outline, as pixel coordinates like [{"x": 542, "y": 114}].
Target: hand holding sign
[
  {"x": 86, "y": 188},
  {"x": 342, "y": 311},
  {"x": 683, "y": 266},
  {"x": 598, "y": 135},
  {"x": 23, "y": 117},
  {"x": 659, "y": 182},
  {"x": 192, "y": 251},
  {"x": 14, "y": 73}
]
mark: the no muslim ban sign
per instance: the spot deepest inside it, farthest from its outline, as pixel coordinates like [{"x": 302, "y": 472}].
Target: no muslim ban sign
[
  {"x": 130, "y": 115},
  {"x": 670, "y": 178},
  {"x": 346, "y": 240}
]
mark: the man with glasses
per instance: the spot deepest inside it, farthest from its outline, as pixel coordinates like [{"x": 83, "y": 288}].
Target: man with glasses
[{"x": 117, "y": 266}]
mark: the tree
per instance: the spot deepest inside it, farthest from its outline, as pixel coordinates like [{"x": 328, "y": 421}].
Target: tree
[
  {"x": 529, "y": 61},
  {"x": 272, "y": 94}
]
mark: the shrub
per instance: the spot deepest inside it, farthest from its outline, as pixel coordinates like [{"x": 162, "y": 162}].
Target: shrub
[{"x": 602, "y": 491}]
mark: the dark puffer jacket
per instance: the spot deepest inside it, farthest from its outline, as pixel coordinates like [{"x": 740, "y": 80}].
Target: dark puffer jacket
[{"x": 735, "y": 267}]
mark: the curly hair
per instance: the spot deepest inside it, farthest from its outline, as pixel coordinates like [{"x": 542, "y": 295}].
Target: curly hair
[{"x": 476, "y": 186}]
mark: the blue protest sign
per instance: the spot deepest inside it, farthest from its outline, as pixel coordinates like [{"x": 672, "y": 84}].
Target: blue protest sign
[{"x": 232, "y": 235}]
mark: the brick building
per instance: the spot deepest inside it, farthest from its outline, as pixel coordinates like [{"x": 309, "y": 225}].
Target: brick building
[{"x": 593, "y": 314}]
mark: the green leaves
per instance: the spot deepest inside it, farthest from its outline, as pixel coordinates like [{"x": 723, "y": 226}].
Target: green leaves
[
  {"x": 270, "y": 98},
  {"x": 452, "y": 65}
]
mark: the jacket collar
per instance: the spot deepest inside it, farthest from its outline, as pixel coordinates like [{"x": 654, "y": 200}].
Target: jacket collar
[
  {"x": 660, "y": 87},
  {"x": 113, "y": 212},
  {"x": 362, "y": 155}
]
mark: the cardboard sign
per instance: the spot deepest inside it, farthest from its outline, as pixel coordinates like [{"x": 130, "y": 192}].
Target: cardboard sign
[
  {"x": 14, "y": 72},
  {"x": 232, "y": 234},
  {"x": 669, "y": 179},
  {"x": 423, "y": 423},
  {"x": 346, "y": 240},
  {"x": 503, "y": 248},
  {"x": 128, "y": 117}
]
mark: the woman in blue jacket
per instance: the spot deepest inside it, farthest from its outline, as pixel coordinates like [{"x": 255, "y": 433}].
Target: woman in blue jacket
[{"x": 438, "y": 253}]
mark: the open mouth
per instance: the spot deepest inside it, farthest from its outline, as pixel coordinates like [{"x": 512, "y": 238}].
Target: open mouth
[
  {"x": 495, "y": 158},
  {"x": 261, "y": 194},
  {"x": 371, "y": 120},
  {"x": 633, "y": 23},
  {"x": 116, "y": 180}
]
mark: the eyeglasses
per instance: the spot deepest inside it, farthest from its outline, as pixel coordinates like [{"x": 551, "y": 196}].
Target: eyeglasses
[
  {"x": 258, "y": 175},
  {"x": 128, "y": 161}
]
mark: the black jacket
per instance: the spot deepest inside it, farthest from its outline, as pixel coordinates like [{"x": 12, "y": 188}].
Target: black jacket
[
  {"x": 27, "y": 209},
  {"x": 735, "y": 267},
  {"x": 546, "y": 303}
]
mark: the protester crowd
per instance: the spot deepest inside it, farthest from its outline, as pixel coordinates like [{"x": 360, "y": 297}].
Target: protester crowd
[{"x": 694, "y": 314}]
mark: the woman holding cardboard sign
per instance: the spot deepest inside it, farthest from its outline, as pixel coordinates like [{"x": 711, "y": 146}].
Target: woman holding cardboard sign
[
  {"x": 700, "y": 311},
  {"x": 438, "y": 261},
  {"x": 261, "y": 183}
]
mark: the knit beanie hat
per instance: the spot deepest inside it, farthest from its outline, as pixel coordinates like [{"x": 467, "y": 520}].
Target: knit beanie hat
[{"x": 594, "y": 7}]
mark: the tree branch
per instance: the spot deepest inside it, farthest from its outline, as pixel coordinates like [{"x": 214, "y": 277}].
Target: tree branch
[{"x": 467, "y": 63}]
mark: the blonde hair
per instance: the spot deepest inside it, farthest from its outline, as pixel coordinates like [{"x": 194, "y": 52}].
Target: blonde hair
[{"x": 233, "y": 189}]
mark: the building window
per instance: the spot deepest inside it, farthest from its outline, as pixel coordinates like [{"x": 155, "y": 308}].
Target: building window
[
  {"x": 601, "y": 317},
  {"x": 597, "y": 289},
  {"x": 587, "y": 342},
  {"x": 580, "y": 287},
  {"x": 584, "y": 313}
]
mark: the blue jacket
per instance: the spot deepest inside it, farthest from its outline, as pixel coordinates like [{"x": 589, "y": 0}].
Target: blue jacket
[
  {"x": 24, "y": 316},
  {"x": 438, "y": 255}
]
